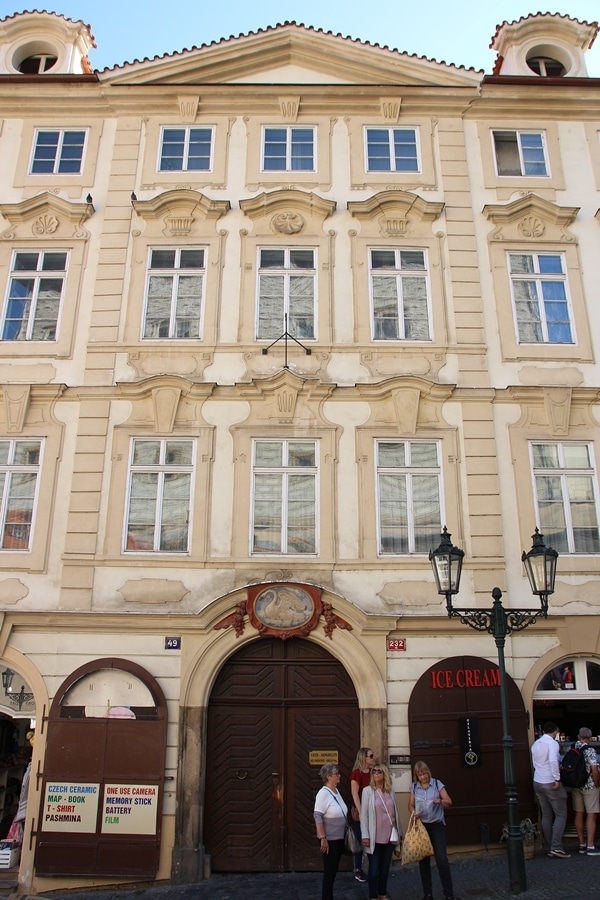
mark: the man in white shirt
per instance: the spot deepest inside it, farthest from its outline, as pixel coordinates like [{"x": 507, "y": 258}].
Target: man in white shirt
[{"x": 551, "y": 794}]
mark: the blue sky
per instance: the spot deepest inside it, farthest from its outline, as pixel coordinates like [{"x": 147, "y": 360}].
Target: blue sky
[{"x": 456, "y": 32}]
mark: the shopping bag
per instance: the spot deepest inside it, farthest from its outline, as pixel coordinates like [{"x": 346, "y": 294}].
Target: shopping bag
[
  {"x": 416, "y": 844},
  {"x": 352, "y": 844}
]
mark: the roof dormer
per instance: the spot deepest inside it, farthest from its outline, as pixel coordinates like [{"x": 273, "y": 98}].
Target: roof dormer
[
  {"x": 39, "y": 43},
  {"x": 547, "y": 45}
]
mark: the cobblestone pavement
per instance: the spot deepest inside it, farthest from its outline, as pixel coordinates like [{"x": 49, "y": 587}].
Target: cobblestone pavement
[{"x": 476, "y": 877}]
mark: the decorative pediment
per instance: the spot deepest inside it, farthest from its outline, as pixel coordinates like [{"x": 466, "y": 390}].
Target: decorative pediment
[
  {"x": 286, "y": 209},
  {"x": 397, "y": 212},
  {"x": 281, "y": 396},
  {"x": 157, "y": 402},
  {"x": 406, "y": 403},
  {"x": 179, "y": 210},
  {"x": 531, "y": 218},
  {"x": 46, "y": 215},
  {"x": 293, "y": 54}
]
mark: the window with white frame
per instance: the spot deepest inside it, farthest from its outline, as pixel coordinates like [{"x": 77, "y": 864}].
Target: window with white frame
[
  {"x": 392, "y": 150},
  {"x": 174, "y": 293},
  {"x": 521, "y": 153},
  {"x": 566, "y": 494},
  {"x": 35, "y": 289},
  {"x": 159, "y": 496},
  {"x": 540, "y": 297},
  {"x": 399, "y": 295},
  {"x": 288, "y": 149},
  {"x": 19, "y": 474},
  {"x": 286, "y": 292},
  {"x": 58, "y": 152},
  {"x": 284, "y": 497},
  {"x": 408, "y": 496},
  {"x": 186, "y": 149}
]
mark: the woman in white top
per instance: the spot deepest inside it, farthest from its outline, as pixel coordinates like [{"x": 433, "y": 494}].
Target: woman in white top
[{"x": 331, "y": 816}]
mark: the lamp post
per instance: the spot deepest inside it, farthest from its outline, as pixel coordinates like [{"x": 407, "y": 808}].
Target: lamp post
[{"x": 540, "y": 565}]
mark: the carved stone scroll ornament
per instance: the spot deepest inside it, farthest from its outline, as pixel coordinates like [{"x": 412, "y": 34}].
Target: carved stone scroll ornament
[
  {"x": 283, "y": 610},
  {"x": 531, "y": 227},
  {"x": 288, "y": 223}
]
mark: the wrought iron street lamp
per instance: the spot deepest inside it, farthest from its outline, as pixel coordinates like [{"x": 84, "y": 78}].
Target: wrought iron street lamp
[
  {"x": 15, "y": 699},
  {"x": 540, "y": 565}
]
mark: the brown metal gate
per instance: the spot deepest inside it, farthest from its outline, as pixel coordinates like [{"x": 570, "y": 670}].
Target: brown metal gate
[
  {"x": 272, "y": 704},
  {"x": 456, "y": 727},
  {"x": 84, "y": 757}
]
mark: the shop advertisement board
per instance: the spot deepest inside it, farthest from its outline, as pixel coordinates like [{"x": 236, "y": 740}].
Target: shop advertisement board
[
  {"x": 130, "y": 809},
  {"x": 70, "y": 807}
]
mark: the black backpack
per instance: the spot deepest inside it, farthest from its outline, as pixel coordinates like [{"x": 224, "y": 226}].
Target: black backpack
[{"x": 573, "y": 770}]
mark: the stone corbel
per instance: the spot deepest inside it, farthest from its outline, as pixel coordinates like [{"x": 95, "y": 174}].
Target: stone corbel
[
  {"x": 406, "y": 405},
  {"x": 16, "y": 404},
  {"x": 289, "y": 108},
  {"x": 165, "y": 401},
  {"x": 557, "y": 402},
  {"x": 390, "y": 109},
  {"x": 188, "y": 107},
  {"x": 286, "y": 398}
]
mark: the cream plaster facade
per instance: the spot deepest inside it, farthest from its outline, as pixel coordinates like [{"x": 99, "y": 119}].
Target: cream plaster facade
[{"x": 472, "y": 388}]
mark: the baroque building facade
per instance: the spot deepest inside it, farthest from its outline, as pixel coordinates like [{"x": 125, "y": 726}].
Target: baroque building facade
[{"x": 276, "y": 310}]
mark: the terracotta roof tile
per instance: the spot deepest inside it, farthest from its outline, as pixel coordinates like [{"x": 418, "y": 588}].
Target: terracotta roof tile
[{"x": 45, "y": 12}]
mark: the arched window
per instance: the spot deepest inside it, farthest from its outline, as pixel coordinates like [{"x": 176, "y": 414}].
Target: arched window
[{"x": 569, "y": 695}]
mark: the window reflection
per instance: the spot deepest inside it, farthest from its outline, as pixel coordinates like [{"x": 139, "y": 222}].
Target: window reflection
[
  {"x": 562, "y": 678},
  {"x": 593, "y": 676}
]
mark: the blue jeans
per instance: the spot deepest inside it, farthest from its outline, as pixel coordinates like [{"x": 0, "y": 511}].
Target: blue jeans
[
  {"x": 358, "y": 857},
  {"x": 553, "y": 806},
  {"x": 331, "y": 862},
  {"x": 437, "y": 834},
  {"x": 379, "y": 867}
]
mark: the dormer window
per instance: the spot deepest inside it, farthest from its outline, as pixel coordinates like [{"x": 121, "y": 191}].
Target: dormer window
[
  {"x": 546, "y": 67},
  {"x": 37, "y": 65}
]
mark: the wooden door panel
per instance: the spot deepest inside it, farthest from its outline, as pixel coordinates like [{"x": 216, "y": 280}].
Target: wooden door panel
[
  {"x": 314, "y": 730},
  {"x": 240, "y": 811}
]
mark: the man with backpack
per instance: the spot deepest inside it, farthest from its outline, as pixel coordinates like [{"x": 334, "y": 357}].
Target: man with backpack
[
  {"x": 550, "y": 792},
  {"x": 586, "y": 799}
]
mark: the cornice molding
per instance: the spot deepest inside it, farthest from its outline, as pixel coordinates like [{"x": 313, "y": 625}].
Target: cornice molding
[
  {"x": 267, "y": 204},
  {"x": 46, "y": 212},
  {"x": 532, "y": 205},
  {"x": 396, "y": 204},
  {"x": 180, "y": 204}
]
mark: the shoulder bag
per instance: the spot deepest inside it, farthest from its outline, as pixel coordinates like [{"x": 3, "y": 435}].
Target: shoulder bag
[{"x": 352, "y": 844}]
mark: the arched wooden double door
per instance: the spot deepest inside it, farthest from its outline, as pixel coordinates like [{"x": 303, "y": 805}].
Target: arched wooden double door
[{"x": 273, "y": 703}]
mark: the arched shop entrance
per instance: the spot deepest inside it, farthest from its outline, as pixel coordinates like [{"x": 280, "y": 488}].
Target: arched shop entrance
[
  {"x": 17, "y": 719},
  {"x": 278, "y": 710},
  {"x": 456, "y": 727}
]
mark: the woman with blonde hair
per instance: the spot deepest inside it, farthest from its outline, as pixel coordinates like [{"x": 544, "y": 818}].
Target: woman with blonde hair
[
  {"x": 380, "y": 827},
  {"x": 360, "y": 778},
  {"x": 428, "y": 799}
]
